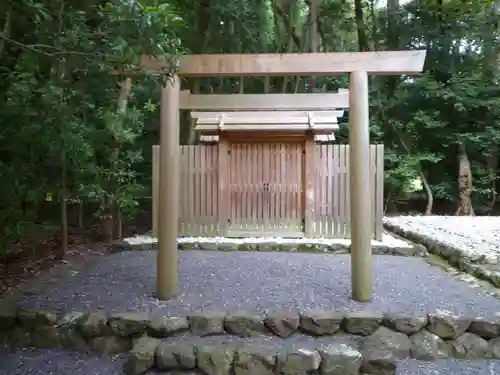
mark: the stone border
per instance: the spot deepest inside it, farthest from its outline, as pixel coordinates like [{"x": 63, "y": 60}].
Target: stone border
[
  {"x": 414, "y": 250},
  {"x": 384, "y": 339},
  {"x": 453, "y": 256}
]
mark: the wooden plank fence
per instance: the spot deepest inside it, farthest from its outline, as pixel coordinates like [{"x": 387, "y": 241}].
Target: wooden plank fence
[{"x": 266, "y": 191}]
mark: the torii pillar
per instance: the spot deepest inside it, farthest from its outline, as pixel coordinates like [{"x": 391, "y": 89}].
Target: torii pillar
[{"x": 357, "y": 65}]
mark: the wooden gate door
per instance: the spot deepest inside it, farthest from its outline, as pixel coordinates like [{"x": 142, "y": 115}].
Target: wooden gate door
[{"x": 266, "y": 189}]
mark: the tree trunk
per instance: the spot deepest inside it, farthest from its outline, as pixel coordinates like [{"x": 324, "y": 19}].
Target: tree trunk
[
  {"x": 464, "y": 183},
  {"x": 492, "y": 167},
  {"x": 361, "y": 26},
  {"x": 428, "y": 191},
  {"x": 111, "y": 202},
  {"x": 81, "y": 226},
  {"x": 313, "y": 34}
]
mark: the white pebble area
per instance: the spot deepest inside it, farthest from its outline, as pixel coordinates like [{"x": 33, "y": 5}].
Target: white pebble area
[
  {"x": 473, "y": 236},
  {"x": 387, "y": 240}
]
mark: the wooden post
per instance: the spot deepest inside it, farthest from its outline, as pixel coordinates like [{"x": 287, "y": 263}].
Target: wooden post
[
  {"x": 166, "y": 267},
  {"x": 224, "y": 193},
  {"x": 155, "y": 191},
  {"x": 360, "y": 186}
]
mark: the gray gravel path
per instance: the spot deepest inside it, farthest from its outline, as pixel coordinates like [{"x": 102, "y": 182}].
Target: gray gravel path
[
  {"x": 261, "y": 281},
  {"x": 57, "y": 362},
  {"x": 449, "y": 367}
]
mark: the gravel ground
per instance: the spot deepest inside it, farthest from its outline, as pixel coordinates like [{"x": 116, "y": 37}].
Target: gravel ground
[
  {"x": 449, "y": 367},
  {"x": 57, "y": 362},
  {"x": 474, "y": 237},
  {"x": 261, "y": 281}
]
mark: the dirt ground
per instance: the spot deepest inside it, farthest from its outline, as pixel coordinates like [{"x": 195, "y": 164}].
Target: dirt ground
[{"x": 31, "y": 257}]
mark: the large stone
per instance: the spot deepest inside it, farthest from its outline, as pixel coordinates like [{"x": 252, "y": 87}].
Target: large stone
[
  {"x": 70, "y": 319},
  {"x": 19, "y": 337},
  {"x": 486, "y": 328},
  {"x": 142, "y": 356},
  {"x": 447, "y": 326},
  {"x": 269, "y": 247},
  {"x": 215, "y": 360},
  {"x": 93, "y": 324},
  {"x": 339, "y": 359},
  {"x": 406, "y": 324},
  {"x": 110, "y": 344},
  {"x": 362, "y": 322},
  {"x": 289, "y": 247},
  {"x": 320, "y": 323},
  {"x": 282, "y": 323},
  {"x": 71, "y": 339},
  {"x": 8, "y": 316},
  {"x": 427, "y": 346},
  {"x": 244, "y": 324},
  {"x": 206, "y": 324},
  {"x": 254, "y": 360},
  {"x": 171, "y": 356},
  {"x": 188, "y": 246},
  {"x": 128, "y": 323},
  {"x": 164, "y": 326},
  {"x": 470, "y": 346},
  {"x": 228, "y": 246},
  {"x": 379, "y": 362},
  {"x": 299, "y": 362},
  {"x": 211, "y": 246},
  {"x": 339, "y": 248},
  {"x": 32, "y": 318},
  {"x": 494, "y": 345},
  {"x": 46, "y": 337},
  {"x": 383, "y": 339}
]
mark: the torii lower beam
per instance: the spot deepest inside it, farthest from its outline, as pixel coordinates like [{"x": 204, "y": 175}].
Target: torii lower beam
[
  {"x": 357, "y": 65},
  {"x": 265, "y": 102}
]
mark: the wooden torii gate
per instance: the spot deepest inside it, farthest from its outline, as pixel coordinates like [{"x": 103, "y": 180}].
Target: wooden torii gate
[{"x": 357, "y": 65}]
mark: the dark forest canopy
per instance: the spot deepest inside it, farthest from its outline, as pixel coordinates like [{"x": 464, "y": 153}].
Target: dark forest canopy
[{"x": 71, "y": 132}]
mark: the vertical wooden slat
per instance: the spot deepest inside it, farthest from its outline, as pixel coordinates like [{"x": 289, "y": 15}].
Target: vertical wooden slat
[
  {"x": 261, "y": 168},
  {"x": 373, "y": 193},
  {"x": 240, "y": 187},
  {"x": 215, "y": 190},
  {"x": 184, "y": 171},
  {"x": 380, "y": 192},
  {"x": 298, "y": 186},
  {"x": 347, "y": 232},
  {"x": 309, "y": 214},
  {"x": 336, "y": 191},
  {"x": 209, "y": 201},
  {"x": 280, "y": 204},
  {"x": 330, "y": 192},
  {"x": 191, "y": 190},
  {"x": 318, "y": 197},
  {"x": 203, "y": 189},
  {"x": 197, "y": 183},
  {"x": 224, "y": 196},
  {"x": 155, "y": 191},
  {"x": 317, "y": 184},
  {"x": 272, "y": 187}
]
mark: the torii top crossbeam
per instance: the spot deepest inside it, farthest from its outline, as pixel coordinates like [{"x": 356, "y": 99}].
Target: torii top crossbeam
[
  {"x": 293, "y": 64},
  {"x": 357, "y": 65}
]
